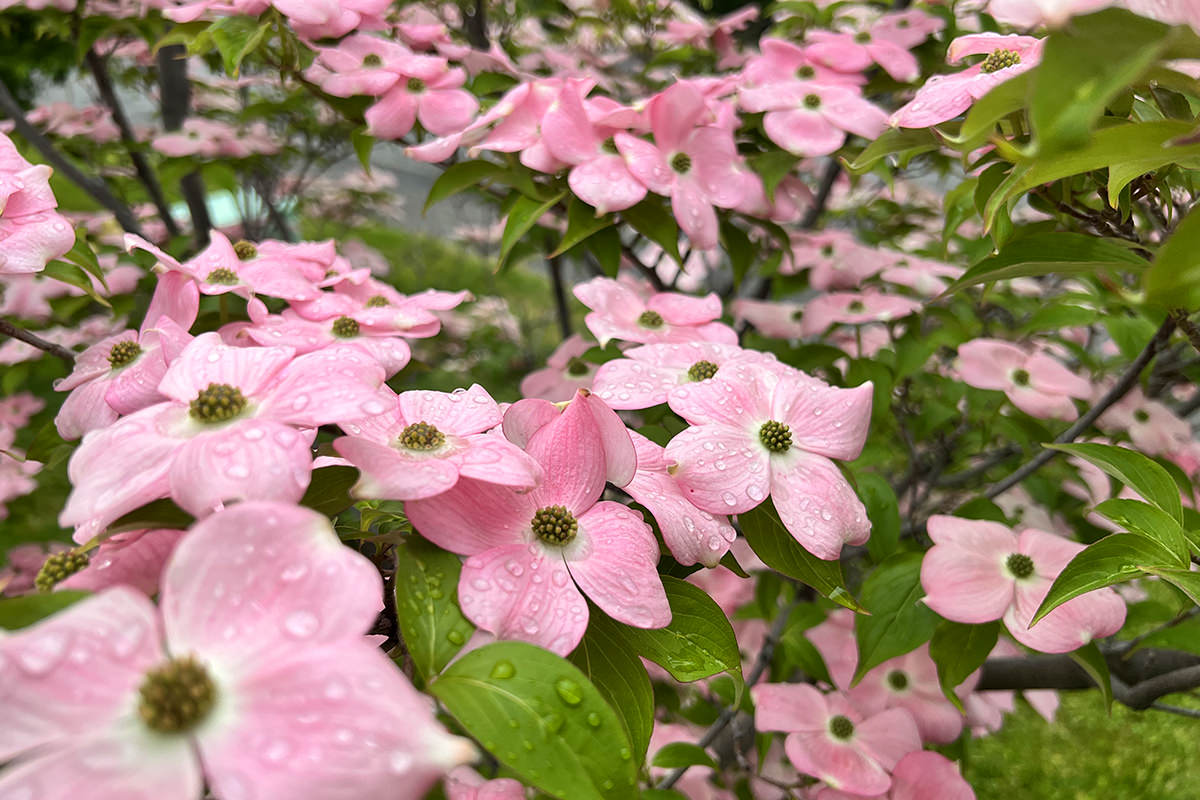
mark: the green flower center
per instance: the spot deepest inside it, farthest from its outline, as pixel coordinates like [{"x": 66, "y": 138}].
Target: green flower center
[
  {"x": 372, "y": 60},
  {"x": 681, "y": 163},
  {"x": 1020, "y": 565},
  {"x": 902, "y": 23},
  {"x": 1000, "y": 59},
  {"x": 577, "y": 367},
  {"x": 345, "y": 328},
  {"x": 775, "y": 436},
  {"x": 805, "y": 72},
  {"x": 222, "y": 276},
  {"x": 827, "y": 250},
  {"x": 856, "y": 307},
  {"x": 422, "y": 436},
  {"x": 220, "y": 402},
  {"x": 378, "y": 301},
  {"x": 898, "y": 680},
  {"x": 650, "y": 319},
  {"x": 1021, "y": 377},
  {"x": 177, "y": 696},
  {"x": 702, "y": 370},
  {"x": 812, "y": 101},
  {"x": 1141, "y": 416},
  {"x": 609, "y": 146},
  {"x": 58, "y": 568},
  {"x": 555, "y": 525},
  {"x": 841, "y": 727},
  {"x": 862, "y": 38},
  {"x": 245, "y": 250},
  {"x": 123, "y": 353},
  {"x": 416, "y": 85}
]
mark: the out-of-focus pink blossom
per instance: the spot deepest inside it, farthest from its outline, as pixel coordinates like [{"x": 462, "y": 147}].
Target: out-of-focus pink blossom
[
  {"x": 464, "y": 783},
  {"x": 854, "y": 308},
  {"x": 565, "y": 373},
  {"x": 1034, "y": 382},
  {"x": 32, "y": 233},
  {"x": 619, "y": 311}
]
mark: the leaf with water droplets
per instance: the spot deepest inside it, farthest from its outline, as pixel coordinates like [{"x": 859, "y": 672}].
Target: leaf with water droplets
[
  {"x": 577, "y": 747},
  {"x": 433, "y": 626}
]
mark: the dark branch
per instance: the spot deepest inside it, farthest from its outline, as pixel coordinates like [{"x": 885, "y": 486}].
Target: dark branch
[
  {"x": 8, "y": 329},
  {"x": 175, "y": 96}
]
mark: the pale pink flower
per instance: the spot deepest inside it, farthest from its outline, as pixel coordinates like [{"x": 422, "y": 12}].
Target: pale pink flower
[
  {"x": 428, "y": 441},
  {"x": 647, "y": 374},
  {"x": 771, "y": 318},
  {"x": 262, "y": 620},
  {"x": 238, "y": 426},
  {"x": 979, "y": 571},
  {"x": 906, "y": 28},
  {"x": 464, "y": 783},
  {"x": 1034, "y": 382},
  {"x": 532, "y": 555},
  {"x": 761, "y": 431},
  {"x": 854, "y": 308},
  {"x": 829, "y": 739},
  {"x": 693, "y": 163},
  {"x": 910, "y": 682},
  {"x": 32, "y": 233},
  {"x": 835, "y": 259},
  {"x": 944, "y": 97},
  {"x": 134, "y": 559},
  {"x": 565, "y": 373},
  {"x": 810, "y": 118},
  {"x": 834, "y": 640},
  {"x": 783, "y": 61},
  {"x": 619, "y": 311},
  {"x": 855, "y": 52},
  {"x": 920, "y": 775},
  {"x": 1028, "y": 14},
  {"x": 306, "y": 336},
  {"x": 1152, "y": 426},
  {"x": 926, "y": 277}
]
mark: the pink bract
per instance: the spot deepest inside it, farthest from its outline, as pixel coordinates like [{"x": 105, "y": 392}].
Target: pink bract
[
  {"x": 620, "y": 312},
  {"x": 1035, "y": 382},
  {"x": 32, "y": 233},
  {"x": 272, "y": 610},
  {"x": 648, "y": 373}
]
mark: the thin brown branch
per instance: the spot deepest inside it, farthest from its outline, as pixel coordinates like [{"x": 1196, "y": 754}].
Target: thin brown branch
[{"x": 17, "y": 332}]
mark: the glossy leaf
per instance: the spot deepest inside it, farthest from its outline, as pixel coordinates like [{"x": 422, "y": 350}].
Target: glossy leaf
[
  {"x": 1138, "y": 517},
  {"x": 74, "y": 275},
  {"x": 893, "y": 141},
  {"x": 994, "y": 106},
  {"x": 460, "y": 177},
  {"x": 162, "y": 513},
  {"x": 883, "y": 511},
  {"x": 426, "y": 587},
  {"x": 605, "y": 658},
  {"x": 1134, "y": 470},
  {"x": 523, "y": 215},
  {"x": 1094, "y": 664},
  {"x": 652, "y": 220},
  {"x": 1051, "y": 253},
  {"x": 682, "y": 754},
  {"x": 1173, "y": 280},
  {"x": 21, "y": 612},
  {"x": 582, "y": 222},
  {"x": 329, "y": 490},
  {"x": 542, "y": 718},
  {"x": 958, "y": 650},
  {"x": 780, "y": 551},
  {"x": 899, "y": 622},
  {"x": 1184, "y": 580}
]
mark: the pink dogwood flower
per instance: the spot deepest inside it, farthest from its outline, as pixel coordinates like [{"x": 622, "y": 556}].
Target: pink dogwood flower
[
  {"x": 305, "y": 336},
  {"x": 1034, "y": 382},
  {"x": 369, "y": 65},
  {"x": 647, "y": 374},
  {"x": 771, "y": 318},
  {"x": 782, "y": 61},
  {"x": 619, "y": 311},
  {"x": 1152, "y": 426},
  {"x": 437, "y": 101},
  {"x": 944, "y": 97},
  {"x": 429, "y": 441},
  {"x": 809, "y": 118},
  {"x": 829, "y": 739},
  {"x": 910, "y": 682},
  {"x": 253, "y": 665},
  {"x": 920, "y": 775},
  {"x": 238, "y": 426},
  {"x": 32, "y": 233},
  {"x": 135, "y": 558},
  {"x": 762, "y": 431},
  {"x": 1028, "y": 14},
  {"x": 979, "y": 571},
  {"x": 565, "y": 373},
  {"x": 855, "y": 52},
  {"x": 693, "y": 163},
  {"x": 906, "y": 28},
  {"x": 854, "y": 308},
  {"x": 464, "y": 783},
  {"x": 532, "y": 555}
]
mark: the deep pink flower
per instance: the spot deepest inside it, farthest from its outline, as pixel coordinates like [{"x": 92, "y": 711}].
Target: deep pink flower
[
  {"x": 837, "y": 260},
  {"x": 531, "y": 553},
  {"x": 979, "y": 571},
  {"x": 437, "y": 101},
  {"x": 305, "y": 336},
  {"x": 262, "y": 619},
  {"x": 565, "y": 372},
  {"x": 760, "y": 431},
  {"x": 692, "y": 535},
  {"x": 771, "y": 318},
  {"x": 430, "y": 440},
  {"x": 647, "y": 374},
  {"x": 783, "y": 61},
  {"x": 1034, "y": 382},
  {"x": 910, "y": 682},
  {"x": 810, "y": 118},
  {"x": 238, "y": 426},
  {"x": 855, "y": 52},
  {"x": 693, "y": 163},
  {"x": 619, "y": 311},
  {"x": 829, "y": 739},
  {"x": 370, "y": 65},
  {"x": 32, "y": 233},
  {"x": 944, "y": 97},
  {"x": 854, "y": 308}
]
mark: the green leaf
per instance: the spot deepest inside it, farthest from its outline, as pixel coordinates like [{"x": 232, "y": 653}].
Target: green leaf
[
  {"x": 605, "y": 658},
  {"x": 1138, "y": 517},
  {"x": 1134, "y": 470},
  {"x": 682, "y": 754},
  {"x": 1173, "y": 280},
  {"x": 363, "y": 143},
  {"x": 523, "y": 215},
  {"x": 606, "y": 247},
  {"x": 899, "y": 622},
  {"x": 582, "y": 222},
  {"x": 329, "y": 490},
  {"x": 21, "y": 612},
  {"x": 729, "y": 562},
  {"x": 739, "y": 248},
  {"x": 158, "y": 514},
  {"x": 994, "y": 106},
  {"x": 1186, "y": 581},
  {"x": 884, "y": 512},
  {"x": 1114, "y": 559},
  {"x": 542, "y": 718},
  {"x": 652, "y": 220},
  {"x": 1046, "y": 253},
  {"x": 662, "y": 794},
  {"x": 235, "y": 38},
  {"x": 1084, "y": 65},
  {"x": 460, "y": 177},
  {"x": 958, "y": 650},
  {"x": 698, "y": 642},
  {"x": 434, "y": 628},
  {"x": 75, "y": 276},
  {"x": 772, "y": 166},
  {"x": 908, "y": 141},
  {"x": 780, "y": 551},
  {"x": 81, "y": 254},
  {"x": 1092, "y": 660}
]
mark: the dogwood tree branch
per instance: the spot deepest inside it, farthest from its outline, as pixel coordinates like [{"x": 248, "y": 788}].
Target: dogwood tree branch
[
  {"x": 175, "y": 97},
  {"x": 1121, "y": 388},
  {"x": 19, "y": 333}
]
